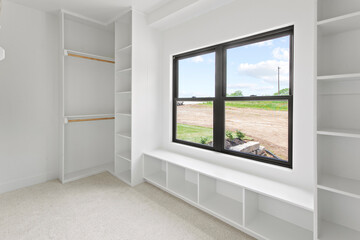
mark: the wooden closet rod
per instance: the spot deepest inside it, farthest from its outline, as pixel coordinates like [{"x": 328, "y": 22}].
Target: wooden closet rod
[
  {"x": 90, "y": 58},
  {"x": 90, "y": 119}
]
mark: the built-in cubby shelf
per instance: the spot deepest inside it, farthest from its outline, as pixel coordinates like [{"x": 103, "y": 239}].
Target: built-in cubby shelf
[
  {"x": 124, "y": 155},
  {"x": 222, "y": 198},
  {"x": 337, "y": 184},
  {"x": 340, "y": 77},
  {"x": 123, "y": 48},
  {"x": 339, "y": 132},
  {"x": 155, "y": 171},
  {"x": 333, "y": 231},
  {"x": 272, "y": 210},
  {"x": 124, "y": 135},
  {"x": 336, "y": 25},
  {"x": 183, "y": 182}
]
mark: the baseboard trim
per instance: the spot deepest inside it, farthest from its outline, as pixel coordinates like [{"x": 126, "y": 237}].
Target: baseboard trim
[{"x": 26, "y": 182}]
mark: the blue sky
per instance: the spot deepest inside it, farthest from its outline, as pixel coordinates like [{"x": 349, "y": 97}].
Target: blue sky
[{"x": 253, "y": 69}]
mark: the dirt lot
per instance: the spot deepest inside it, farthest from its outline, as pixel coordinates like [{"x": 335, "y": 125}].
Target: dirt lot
[{"x": 270, "y": 128}]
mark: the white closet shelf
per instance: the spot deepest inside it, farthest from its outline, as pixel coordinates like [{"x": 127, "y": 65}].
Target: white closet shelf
[
  {"x": 88, "y": 172},
  {"x": 124, "y": 48},
  {"x": 123, "y": 70},
  {"x": 339, "y": 93},
  {"x": 340, "y": 24},
  {"x": 332, "y": 231},
  {"x": 340, "y": 185},
  {"x": 124, "y": 92},
  {"x": 340, "y": 133},
  {"x": 68, "y": 52},
  {"x": 270, "y": 227},
  {"x": 343, "y": 77},
  {"x": 124, "y": 155},
  {"x": 124, "y": 114},
  {"x": 124, "y": 135},
  {"x": 284, "y": 192}
]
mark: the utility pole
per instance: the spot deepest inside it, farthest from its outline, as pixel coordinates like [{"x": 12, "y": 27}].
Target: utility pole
[{"x": 279, "y": 80}]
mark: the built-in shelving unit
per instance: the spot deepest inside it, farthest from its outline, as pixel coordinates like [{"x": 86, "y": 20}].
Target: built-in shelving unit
[
  {"x": 338, "y": 134},
  {"x": 87, "y": 106},
  {"x": 123, "y": 93},
  {"x": 260, "y": 207},
  {"x": 132, "y": 104}
]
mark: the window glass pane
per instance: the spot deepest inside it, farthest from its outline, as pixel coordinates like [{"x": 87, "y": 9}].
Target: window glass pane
[
  {"x": 260, "y": 69},
  {"x": 197, "y": 76},
  {"x": 195, "y": 122},
  {"x": 257, "y": 127}
]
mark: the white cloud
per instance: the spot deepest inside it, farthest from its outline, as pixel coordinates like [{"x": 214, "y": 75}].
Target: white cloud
[
  {"x": 264, "y": 43},
  {"x": 281, "y": 53},
  {"x": 250, "y": 86},
  {"x": 197, "y": 59},
  {"x": 266, "y": 70}
]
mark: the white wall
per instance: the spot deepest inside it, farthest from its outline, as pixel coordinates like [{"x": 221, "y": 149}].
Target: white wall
[
  {"x": 28, "y": 97},
  {"x": 236, "y": 20}
]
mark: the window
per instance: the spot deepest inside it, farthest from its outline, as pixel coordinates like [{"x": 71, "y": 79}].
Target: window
[{"x": 237, "y": 97}]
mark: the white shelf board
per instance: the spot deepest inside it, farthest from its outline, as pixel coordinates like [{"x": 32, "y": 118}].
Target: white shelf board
[
  {"x": 124, "y": 114},
  {"x": 340, "y": 77},
  {"x": 340, "y": 185},
  {"x": 125, "y": 176},
  {"x": 158, "y": 178},
  {"x": 332, "y": 231},
  {"x": 339, "y": 93},
  {"x": 91, "y": 115},
  {"x": 273, "y": 228},
  {"x": 124, "y": 135},
  {"x": 88, "y": 172},
  {"x": 281, "y": 191},
  {"x": 68, "y": 51},
  {"x": 123, "y": 70},
  {"x": 186, "y": 190},
  {"x": 124, "y": 155},
  {"x": 224, "y": 207},
  {"x": 340, "y": 24},
  {"x": 124, "y": 48},
  {"x": 125, "y": 92},
  {"x": 340, "y": 133}
]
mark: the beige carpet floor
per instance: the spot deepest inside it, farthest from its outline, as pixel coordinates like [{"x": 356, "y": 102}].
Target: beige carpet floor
[{"x": 102, "y": 207}]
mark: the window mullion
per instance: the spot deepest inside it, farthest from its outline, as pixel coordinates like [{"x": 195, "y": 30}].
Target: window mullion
[{"x": 219, "y": 106}]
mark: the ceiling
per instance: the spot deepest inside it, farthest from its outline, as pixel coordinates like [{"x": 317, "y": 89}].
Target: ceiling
[
  {"x": 103, "y": 11},
  {"x": 161, "y": 14}
]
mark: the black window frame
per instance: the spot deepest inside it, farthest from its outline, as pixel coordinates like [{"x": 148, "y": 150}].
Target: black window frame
[{"x": 220, "y": 95}]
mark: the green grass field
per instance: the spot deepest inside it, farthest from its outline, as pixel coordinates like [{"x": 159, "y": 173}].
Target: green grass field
[
  {"x": 193, "y": 133},
  {"x": 266, "y": 105}
]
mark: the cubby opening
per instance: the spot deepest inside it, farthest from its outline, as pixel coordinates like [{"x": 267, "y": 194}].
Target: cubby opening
[
  {"x": 339, "y": 216},
  {"x": 123, "y": 148},
  {"x": 123, "y": 81},
  {"x": 123, "y": 103},
  {"x": 183, "y": 182},
  {"x": 155, "y": 170},
  {"x": 338, "y": 164},
  {"x": 274, "y": 219},
  {"x": 124, "y": 31},
  {"x": 123, "y": 59},
  {"x": 334, "y": 8},
  {"x": 123, "y": 169},
  {"x": 222, "y": 198},
  {"x": 123, "y": 126},
  {"x": 338, "y": 53}
]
